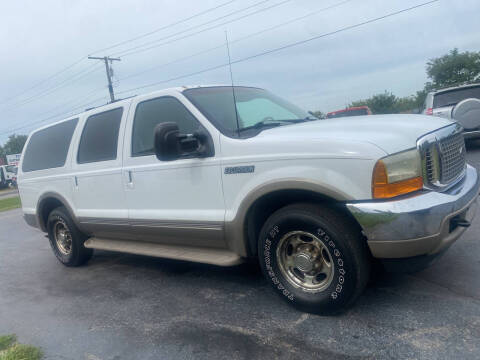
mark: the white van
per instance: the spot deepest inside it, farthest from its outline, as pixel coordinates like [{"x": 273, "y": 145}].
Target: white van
[{"x": 183, "y": 173}]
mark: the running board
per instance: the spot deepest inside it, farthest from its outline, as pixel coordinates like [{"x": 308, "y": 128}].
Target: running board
[{"x": 202, "y": 255}]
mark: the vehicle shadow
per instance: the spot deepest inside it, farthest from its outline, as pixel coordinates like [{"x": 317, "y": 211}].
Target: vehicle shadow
[
  {"x": 472, "y": 144},
  {"x": 245, "y": 277}
]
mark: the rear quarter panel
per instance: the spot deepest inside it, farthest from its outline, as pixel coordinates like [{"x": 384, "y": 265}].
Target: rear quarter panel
[{"x": 32, "y": 184}]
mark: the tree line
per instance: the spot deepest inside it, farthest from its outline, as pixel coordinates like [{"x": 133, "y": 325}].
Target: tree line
[
  {"x": 14, "y": 145},
  {"x": 453, "y": 69}
]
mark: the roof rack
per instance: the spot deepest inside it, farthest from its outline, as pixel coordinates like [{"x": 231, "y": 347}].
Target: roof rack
[{"x": 117, "y": 100}]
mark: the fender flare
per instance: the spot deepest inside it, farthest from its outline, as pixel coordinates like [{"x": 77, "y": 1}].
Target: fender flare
[
  {"x": 235, "y": 230},
  {"x": 41, "y": 204}
]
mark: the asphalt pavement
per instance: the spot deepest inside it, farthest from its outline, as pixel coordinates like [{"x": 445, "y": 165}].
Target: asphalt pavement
[{"x": 131, "y": 307}]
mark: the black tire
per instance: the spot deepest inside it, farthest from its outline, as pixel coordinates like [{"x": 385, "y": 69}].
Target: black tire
[
  {"x": 78, "y": 254},
  {"x": 347, "y": 251}
]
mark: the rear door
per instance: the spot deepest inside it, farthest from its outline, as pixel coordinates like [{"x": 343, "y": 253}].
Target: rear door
[{"x": 98, "y": 191}]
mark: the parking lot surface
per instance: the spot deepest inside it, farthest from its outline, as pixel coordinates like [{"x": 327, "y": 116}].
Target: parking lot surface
[{"x": 131, "y": 307}]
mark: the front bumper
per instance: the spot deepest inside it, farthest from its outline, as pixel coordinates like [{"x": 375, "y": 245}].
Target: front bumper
[{"x": 425, "y": 224}]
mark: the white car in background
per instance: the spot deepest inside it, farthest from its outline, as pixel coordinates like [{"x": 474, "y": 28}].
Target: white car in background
[{"x": 461, "y": 103}]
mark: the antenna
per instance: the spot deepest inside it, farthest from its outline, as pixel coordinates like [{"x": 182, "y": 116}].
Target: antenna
[{"x": 233, "y": 87}]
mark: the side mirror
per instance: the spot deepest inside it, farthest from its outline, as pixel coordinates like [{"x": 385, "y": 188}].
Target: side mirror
[
  {"x": 166, "y": 142},
  {"x": 171, "y": 145}
]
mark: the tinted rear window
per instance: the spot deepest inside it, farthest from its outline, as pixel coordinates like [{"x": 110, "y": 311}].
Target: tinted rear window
[
  {"x": 48, "y": 148},
  {"x": 100, "y": 137},
  {"x": 453, "y": 97}
]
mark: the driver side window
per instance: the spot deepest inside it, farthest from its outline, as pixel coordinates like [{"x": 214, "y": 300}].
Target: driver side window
[{"x": 152, "y": 112}]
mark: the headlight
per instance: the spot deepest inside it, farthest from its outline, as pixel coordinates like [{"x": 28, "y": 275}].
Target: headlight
[{"x": 397, "y": 174}]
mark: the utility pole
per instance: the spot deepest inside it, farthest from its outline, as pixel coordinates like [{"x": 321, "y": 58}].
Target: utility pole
[{"x": 109, "y": 72}]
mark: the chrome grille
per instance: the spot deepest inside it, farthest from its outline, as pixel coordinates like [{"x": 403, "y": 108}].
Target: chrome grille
[
  {"x": 429, "y": 166},
  {"x": 452, "y": 157},
  {"x": 443, "y": 157}
]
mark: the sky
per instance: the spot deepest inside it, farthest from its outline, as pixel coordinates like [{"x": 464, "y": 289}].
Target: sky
[{"x": 179, "y": 38}]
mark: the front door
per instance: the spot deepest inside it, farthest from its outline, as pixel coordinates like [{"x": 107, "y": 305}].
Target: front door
[{"x": 173, "y": 202}]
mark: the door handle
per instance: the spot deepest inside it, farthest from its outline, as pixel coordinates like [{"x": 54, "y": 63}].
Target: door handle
[{"x": 128, "y": 179}]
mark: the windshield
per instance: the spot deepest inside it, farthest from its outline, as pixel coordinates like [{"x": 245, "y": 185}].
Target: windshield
[
  {"x": 453, "y": 97},
  {"x": 254, "y": 106}
]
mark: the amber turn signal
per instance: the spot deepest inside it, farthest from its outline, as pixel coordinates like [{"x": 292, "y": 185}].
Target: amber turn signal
[{"x": 382, "y": 189}]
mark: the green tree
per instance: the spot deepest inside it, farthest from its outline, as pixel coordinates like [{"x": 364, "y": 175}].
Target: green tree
[
  {"x": 379, "y": 104},
  {"x": 453, "y": 69},
  {"x": 319, "y": 114},
  {"x": 3, "y": 158},
  {"x": 14, "y": 145}
]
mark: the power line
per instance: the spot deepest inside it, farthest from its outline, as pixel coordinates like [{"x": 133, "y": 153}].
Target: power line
[
  {"x": 286, "y": 46},
  {"x": 247, "y": 15},
  {"x": 52, "y": 117},
  {"x": 7, "y": 100},
  {"x": 44, "y": 80},
  {"x": 72, "y": 102},
  {"x": 253, "y": 56},
  {"x": 235, "y": 41},
  {"x": 141, "y": 48},
  {"x": 72, "y": 79},
  {"x": 337, "y": 31},
  {"x": 164, "y": 27}
]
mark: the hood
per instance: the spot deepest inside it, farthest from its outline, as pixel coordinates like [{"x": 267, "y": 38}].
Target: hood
[{"x": 391, "y": 133}]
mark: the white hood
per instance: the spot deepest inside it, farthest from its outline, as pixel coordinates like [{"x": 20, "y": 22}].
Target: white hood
[{"x": 391, "y": 133}]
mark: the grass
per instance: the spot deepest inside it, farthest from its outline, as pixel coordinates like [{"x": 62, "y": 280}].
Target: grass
[
  {"x": 6, "y": 341},
  {"x": 9, "y": 203},
  {"x": 11, "y": 350}
]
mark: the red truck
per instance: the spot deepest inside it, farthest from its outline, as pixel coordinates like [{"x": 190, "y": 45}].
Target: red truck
[{"x": 352, "y": 111}]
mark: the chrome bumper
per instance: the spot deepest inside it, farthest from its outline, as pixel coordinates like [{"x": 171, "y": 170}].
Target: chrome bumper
[
  {"x": 467, "y": 134},
  {"x": 419, "y": 225}
]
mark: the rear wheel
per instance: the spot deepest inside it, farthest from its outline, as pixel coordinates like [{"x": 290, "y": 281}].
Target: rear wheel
[
  {"x": 314, "y": 257},
  {"x": 66, "y": 240}
]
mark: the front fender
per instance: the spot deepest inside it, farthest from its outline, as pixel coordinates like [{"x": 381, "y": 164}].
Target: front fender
[{"x": 340, "y": 180}]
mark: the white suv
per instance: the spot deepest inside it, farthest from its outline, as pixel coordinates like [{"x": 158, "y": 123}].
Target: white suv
[
  {"x": 460, "y": 103},
  {"x": 183, "y": 173}
]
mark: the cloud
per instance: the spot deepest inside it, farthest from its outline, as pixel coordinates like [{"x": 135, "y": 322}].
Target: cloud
[{"x": 39, "y": 38}]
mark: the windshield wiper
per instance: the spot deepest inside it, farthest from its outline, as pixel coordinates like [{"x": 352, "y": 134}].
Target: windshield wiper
[
  {"x": 274, "y": 123},
  {"x": 264, "y": 124}
]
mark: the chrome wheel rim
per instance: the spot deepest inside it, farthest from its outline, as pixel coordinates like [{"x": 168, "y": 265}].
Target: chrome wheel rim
[
  {"x": 63, "y": 237},
  {"x": 305, "y": 261}
]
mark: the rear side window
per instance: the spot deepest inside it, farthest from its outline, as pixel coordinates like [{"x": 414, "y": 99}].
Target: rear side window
[
  {"x": 150, "y": 113},
  {"x": 453, "y": 97},
  {"x": 48, "y": 148},
  {"x": 100, "y": 137}
]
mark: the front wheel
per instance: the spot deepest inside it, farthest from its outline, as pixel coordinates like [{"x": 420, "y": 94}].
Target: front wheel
[{"x": 315, "y": 257}]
